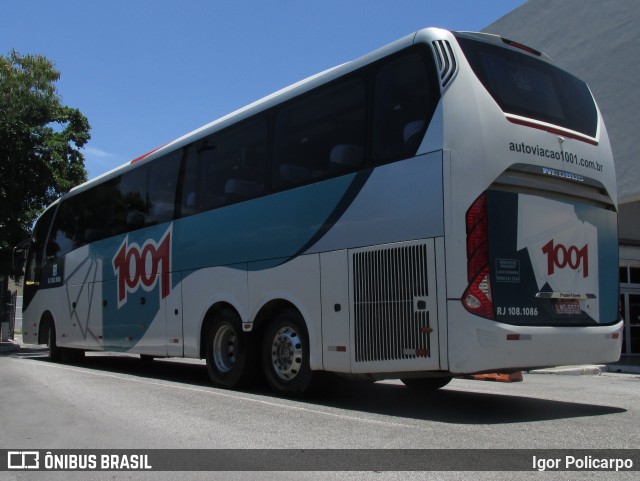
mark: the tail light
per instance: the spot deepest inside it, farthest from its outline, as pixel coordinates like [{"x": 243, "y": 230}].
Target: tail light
[{"x": 477, "y": 296}]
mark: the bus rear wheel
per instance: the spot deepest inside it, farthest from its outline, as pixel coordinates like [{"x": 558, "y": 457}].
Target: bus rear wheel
[
  {"x": 426, "y": 383},
  {"x": 230, "y": 353},
  {"x": 285, "y": 354}
]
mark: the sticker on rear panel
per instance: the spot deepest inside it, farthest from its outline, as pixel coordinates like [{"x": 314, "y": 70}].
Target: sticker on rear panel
[{"x": 563, "y": 250}]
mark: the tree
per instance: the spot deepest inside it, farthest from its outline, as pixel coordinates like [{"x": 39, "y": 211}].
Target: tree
[{"x": 40, "y": 140}]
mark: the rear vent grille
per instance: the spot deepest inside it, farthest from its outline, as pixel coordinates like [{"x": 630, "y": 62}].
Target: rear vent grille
[
  {"x": 391, "y": 312},
  {"x": 447, "y": 65}
]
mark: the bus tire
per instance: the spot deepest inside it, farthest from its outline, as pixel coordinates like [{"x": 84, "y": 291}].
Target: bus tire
[
  {"x": 72, "y": 355},
  {"x": 231, "y": 354},
  {"x": 55, "y": 352},
  {"x": 285, "y": 354},
  {"x": 426, "y": 383}
]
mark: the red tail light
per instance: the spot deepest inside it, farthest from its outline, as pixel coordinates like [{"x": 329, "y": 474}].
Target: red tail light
[
  {"x": 522, "y": 47},
  {"x": 477, "y": 296}
]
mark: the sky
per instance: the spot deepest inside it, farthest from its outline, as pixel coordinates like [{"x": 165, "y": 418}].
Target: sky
[{"x": 146, "y": 72}]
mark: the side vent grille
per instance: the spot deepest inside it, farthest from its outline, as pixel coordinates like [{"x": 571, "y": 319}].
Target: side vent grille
[
  {"x": 391, "y": 314},
  {"x": 447, "y": 65}
]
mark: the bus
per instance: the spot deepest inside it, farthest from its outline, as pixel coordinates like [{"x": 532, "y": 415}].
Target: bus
[{"x": 445, "y": 205}]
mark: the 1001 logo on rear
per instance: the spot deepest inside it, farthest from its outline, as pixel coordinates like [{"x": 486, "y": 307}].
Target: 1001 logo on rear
[{"x": 559, "y": 256}]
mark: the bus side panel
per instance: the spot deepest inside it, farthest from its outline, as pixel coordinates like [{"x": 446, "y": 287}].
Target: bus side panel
[
  {"x": 399, "y": 201},
  {"x": 204, "y": 288},
  {"x": 32, "y": 315},
  {"x": 441, "y": 288},
  {"x": 334, "y": 268},
  {"x": 174, "y": 314},
  {"x": 296, "y": 281}
]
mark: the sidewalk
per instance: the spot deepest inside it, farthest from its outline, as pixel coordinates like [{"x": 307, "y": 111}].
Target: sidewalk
[
  {"x": 9, "y": 346},
  {"x": 626, "y": 365}
]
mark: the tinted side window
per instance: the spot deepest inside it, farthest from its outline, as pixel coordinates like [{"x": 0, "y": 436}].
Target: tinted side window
[
  {"x": 34, "y": 257},
  {"x": 67, "y": 230},
  {"x": 226, "y": 167},
  {"x": 406, "y": 95},
  {"x": 97, "y": 207},
  {"x": 321, "y": 135},
  {"x": 139, "y": 198},
  {"x": 132, "y": 201},
  {"x": 146, "y": 196},
  {"x": 162, "y": 184}
]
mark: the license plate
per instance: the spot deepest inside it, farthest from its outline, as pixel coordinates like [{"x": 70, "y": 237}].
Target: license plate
[{"x": 567, "y": 306}]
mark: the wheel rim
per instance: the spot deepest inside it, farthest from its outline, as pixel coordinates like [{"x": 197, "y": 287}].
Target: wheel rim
[
  {"x": 286, "y": 353},
  {"x": 224, "y": 349}
]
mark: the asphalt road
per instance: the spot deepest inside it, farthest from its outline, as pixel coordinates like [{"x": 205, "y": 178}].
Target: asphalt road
[{"x": 119, "y": 402}]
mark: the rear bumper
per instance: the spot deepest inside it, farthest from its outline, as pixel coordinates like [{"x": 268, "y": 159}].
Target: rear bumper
[{"x": 477, "y": 345}]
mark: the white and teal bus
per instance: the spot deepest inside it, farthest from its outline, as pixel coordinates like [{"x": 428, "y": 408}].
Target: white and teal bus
[{"x": 444, "y": 205}]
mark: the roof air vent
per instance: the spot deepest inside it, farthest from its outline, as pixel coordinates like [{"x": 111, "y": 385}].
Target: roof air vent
[{"x": 447, "y": 65}]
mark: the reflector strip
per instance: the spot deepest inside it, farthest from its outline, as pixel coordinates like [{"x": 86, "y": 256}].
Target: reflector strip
[
  {"x": 337, "y": 348},
  {"x": 518, "y": 337},
  {"x": 147, "y": 154},
  {"x": 522, "y": 47}
]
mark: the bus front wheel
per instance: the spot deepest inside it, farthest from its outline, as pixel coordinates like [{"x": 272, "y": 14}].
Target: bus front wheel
[
  {"x": 285, "y": 354},
  {"x": 55, "y": 353},
  {"x": 230, "y": 353}
]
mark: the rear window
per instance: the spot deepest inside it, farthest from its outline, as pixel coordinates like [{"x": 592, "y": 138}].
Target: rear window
[{"x": 530, "y": 87}]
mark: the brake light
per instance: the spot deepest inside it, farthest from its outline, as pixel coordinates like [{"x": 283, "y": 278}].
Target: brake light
[
  {"x": 477, "y": 296},
  {"x": 522, "y": 47}
]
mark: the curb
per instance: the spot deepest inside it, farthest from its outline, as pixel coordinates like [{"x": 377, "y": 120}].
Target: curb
[
  {"x": 589, "y": 370},
  {"x": 9, "y": 346}
]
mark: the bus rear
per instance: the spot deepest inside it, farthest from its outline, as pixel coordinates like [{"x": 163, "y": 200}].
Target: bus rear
[{"x": 532, "y": 237}]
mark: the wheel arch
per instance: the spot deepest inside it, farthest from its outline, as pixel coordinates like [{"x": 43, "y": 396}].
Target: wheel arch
[
  {"x": 208, "y": 319},
  {"x": 45, "y": 320},
  {"x": 269, "y": 311},
  {"x": 265, "y": 314}
]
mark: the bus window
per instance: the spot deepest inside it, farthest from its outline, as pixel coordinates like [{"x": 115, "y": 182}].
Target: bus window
[
  {"x": 133, "y": 194},
  {"x": 406, "y": 94},
  {"x": 66, "y": 233},
  {"x": 225, "y": 168},
  {"x": 321, "y": 135},
  {"x": 162, "y": 184},
  {"x": 527, "y": 86}
]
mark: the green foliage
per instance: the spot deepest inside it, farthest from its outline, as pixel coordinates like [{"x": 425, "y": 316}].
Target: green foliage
[{"x": 40, "y": 140}]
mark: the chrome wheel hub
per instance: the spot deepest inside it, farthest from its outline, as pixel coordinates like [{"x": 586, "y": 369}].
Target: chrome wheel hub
[
  {"x": 286, "y": 353},
  {"x": 224, "y": 349}
]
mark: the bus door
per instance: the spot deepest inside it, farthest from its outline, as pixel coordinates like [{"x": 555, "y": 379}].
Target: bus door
[{"x": 82, "y": 309}]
